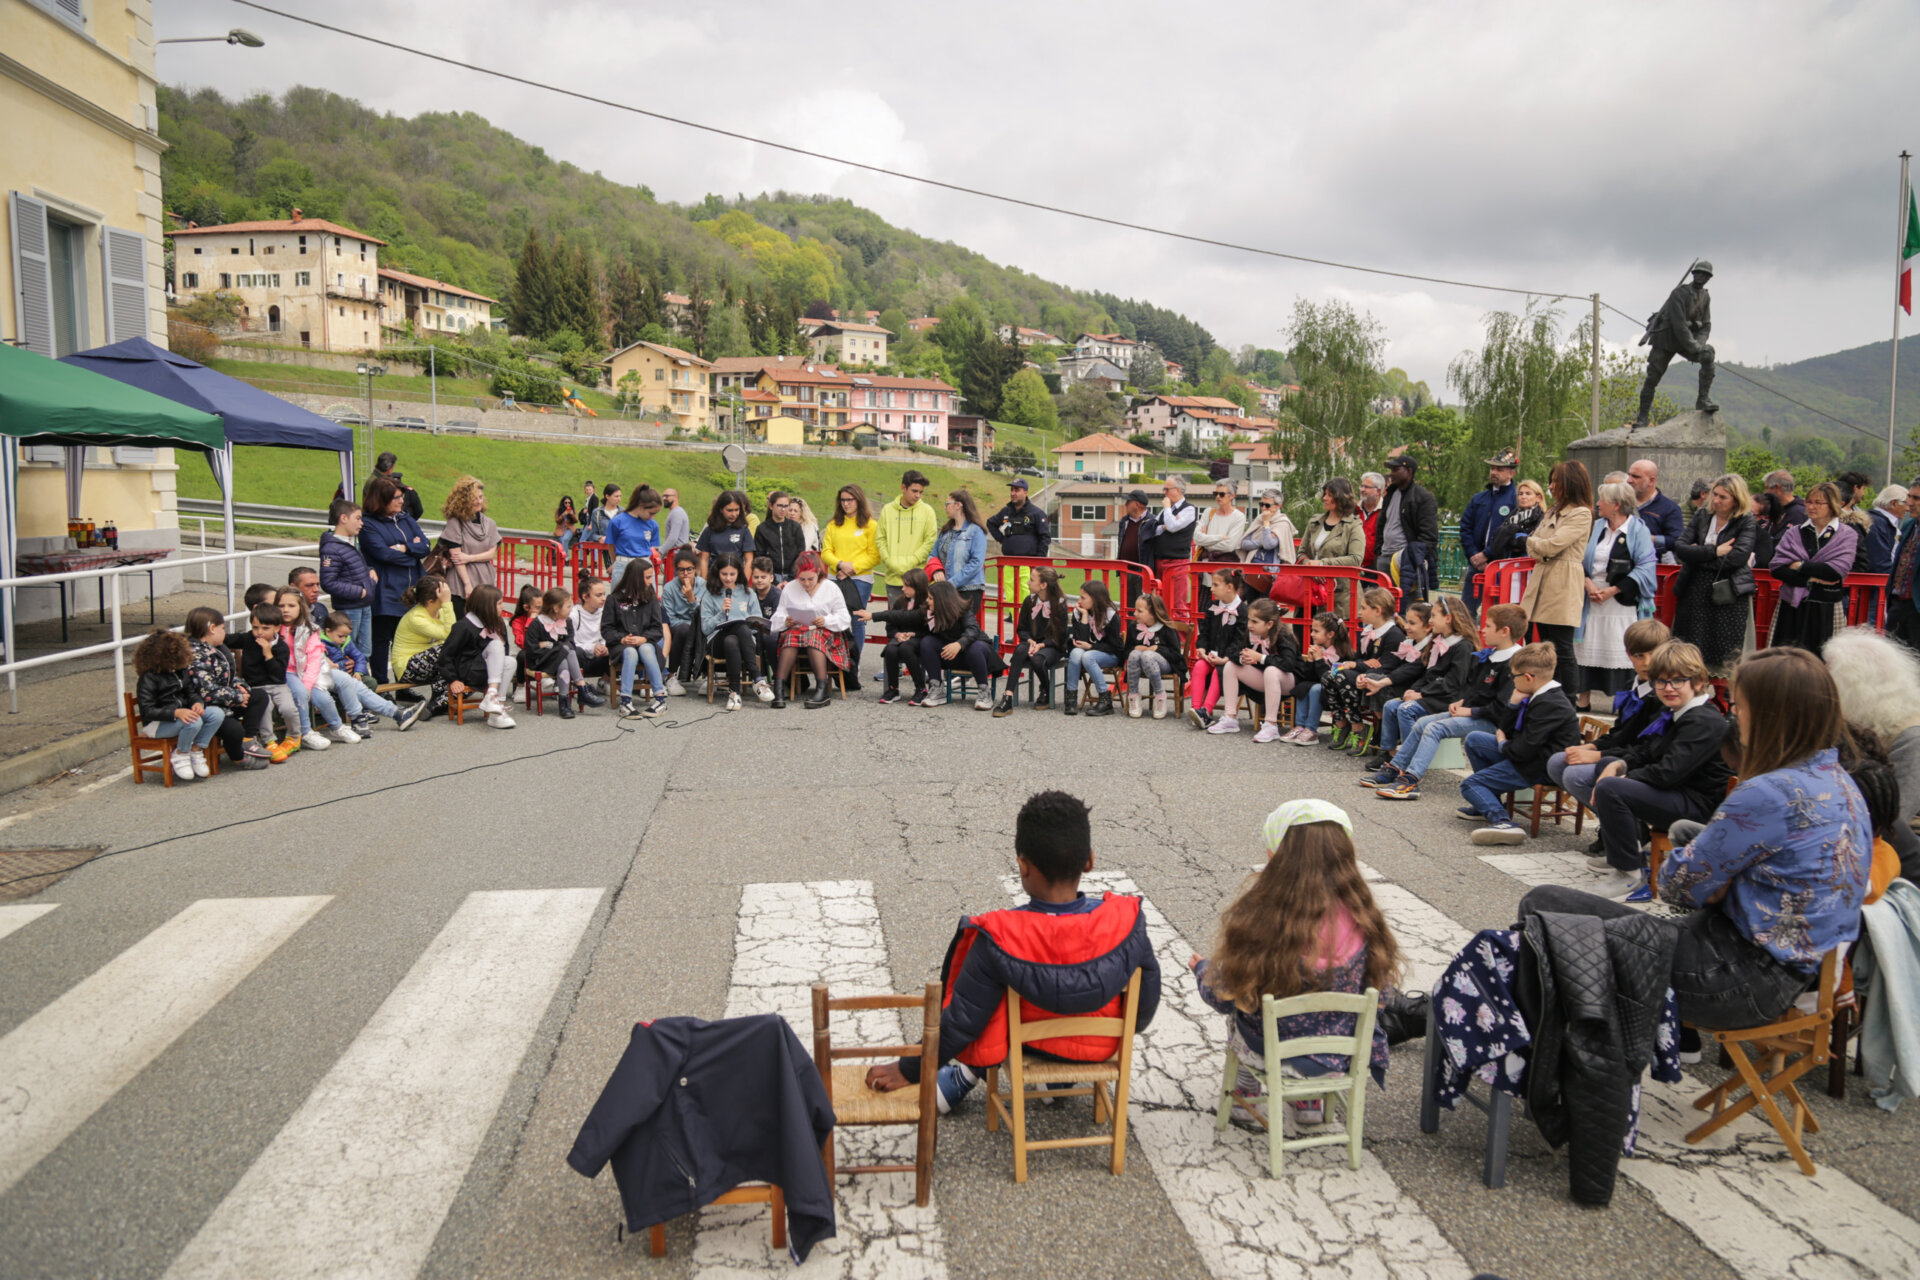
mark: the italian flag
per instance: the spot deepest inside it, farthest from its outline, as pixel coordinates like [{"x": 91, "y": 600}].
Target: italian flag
[{"x": 1908, "y": 252}]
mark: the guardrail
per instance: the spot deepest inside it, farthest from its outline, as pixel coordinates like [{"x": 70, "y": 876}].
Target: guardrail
[{"x": 110, "y": 579}]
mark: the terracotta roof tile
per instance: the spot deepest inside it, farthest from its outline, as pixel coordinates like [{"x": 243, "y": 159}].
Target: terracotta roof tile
[{"x": 306, "y": 226}]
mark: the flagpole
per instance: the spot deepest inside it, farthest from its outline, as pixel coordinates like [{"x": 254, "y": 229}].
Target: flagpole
[{"x": 1899, "y": 261}]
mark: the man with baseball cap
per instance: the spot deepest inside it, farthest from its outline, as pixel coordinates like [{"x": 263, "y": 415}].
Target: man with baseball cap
[
  {"x": 1409, "y": 529},
  {"x": 1137, "y": 530},
  {"x": 1485, "y": 510},
  {"x": 1020, "y": 527}
]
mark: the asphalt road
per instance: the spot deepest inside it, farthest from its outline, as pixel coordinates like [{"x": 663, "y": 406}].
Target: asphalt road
[{"x": 368, "y": 1042}]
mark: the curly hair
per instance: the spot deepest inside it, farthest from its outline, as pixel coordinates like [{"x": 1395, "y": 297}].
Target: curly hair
[
  {"x": 162, "y": 651},
  {"x": 1878, "y": 678},
  {"x": 463, "y": 500}
]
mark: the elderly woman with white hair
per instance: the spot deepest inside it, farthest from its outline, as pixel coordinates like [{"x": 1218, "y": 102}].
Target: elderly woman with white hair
[
  {"x": 1620, "y": 587},
  {"x": 1879, "y": 683}
]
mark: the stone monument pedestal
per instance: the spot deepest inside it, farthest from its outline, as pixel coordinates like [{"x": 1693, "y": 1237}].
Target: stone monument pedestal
[{"x": 1685, "y": 448}]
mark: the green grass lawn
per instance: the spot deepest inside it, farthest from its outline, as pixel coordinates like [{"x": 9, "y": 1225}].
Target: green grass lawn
[
  {"x": 294, "y": 377},
  {"x": 525, "y": 478}
]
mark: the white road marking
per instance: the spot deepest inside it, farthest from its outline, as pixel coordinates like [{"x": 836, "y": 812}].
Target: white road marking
[
  {"x": 107, "y": 781},
  {"x": 789, "y": 937},
  {"x": 12, "y": 818},
  {"x": 1546, "y": 866},
  {"x": 359, "y": 1181},
  {"x": 1739, "y": 1192},
  {"x": 15, "y": 917},
  {"x": 61, "y": 1065},
  {"x": 1322, "y": 1218}
]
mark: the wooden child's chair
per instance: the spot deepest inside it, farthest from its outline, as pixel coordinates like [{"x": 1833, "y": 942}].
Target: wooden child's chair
[
  {"x": 1767, "y": 1061},
  {"x": 1346, "y": 1091},
  {"x": 1109, "y": 1082},
  {"x": 146, "y": 751},
  {"x": 855, "y": 1104}
]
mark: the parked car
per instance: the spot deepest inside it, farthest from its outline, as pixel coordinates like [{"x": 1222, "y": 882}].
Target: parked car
[{"x": 1030, "y": 471}]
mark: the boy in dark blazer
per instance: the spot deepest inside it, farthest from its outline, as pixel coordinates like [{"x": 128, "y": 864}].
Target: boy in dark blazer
[{"x": 1515, "y": 757}]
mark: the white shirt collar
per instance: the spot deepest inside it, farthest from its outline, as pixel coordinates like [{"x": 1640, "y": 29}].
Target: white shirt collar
[
  {"x": 1551, "y": 684},
  {"x": 1691, "y": 703},
  {"x": 1501, "y": 655}
]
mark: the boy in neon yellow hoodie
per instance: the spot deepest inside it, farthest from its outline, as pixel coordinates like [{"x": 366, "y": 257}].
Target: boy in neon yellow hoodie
[{"x": 907, "y": 528}]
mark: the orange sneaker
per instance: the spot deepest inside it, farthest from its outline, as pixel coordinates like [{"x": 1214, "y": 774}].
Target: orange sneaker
[{"x": 280, "y": 750}]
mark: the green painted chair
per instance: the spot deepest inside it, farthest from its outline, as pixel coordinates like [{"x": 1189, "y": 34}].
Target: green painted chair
[{"x": 1347, "y": 1092}]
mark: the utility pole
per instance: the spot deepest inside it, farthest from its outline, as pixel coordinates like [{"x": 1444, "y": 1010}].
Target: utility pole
[
  {"x": 433, "y": 386},
  {"x": 1596, "y": 366}
]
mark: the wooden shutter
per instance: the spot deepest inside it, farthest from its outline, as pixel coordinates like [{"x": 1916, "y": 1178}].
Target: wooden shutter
[
  {"x": 124, "y": 256},
  {"x": 32, "y": 275}
]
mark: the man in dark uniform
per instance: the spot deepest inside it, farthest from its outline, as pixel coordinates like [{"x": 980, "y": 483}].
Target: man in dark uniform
[
  {"x": 1020, "y": 527},
  {"x": 1681, "y": 328}
]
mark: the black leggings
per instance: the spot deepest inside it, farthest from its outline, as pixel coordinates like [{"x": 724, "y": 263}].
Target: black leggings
[
  {"x": 1042, "y": 663},
  {"x": 232, "y": 736},
  {"x": 735, "y": 644},
  {"x": 384, "y": 627},
  {"x": 1565, "y": 669},
  {"x": 900, "y": 653}
]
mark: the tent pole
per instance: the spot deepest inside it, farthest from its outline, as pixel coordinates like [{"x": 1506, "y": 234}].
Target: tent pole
[
  {"x": 9, "y": 525},
  {"x": 226, "y": 513}
]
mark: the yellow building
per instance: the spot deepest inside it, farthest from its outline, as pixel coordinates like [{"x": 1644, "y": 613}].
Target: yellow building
[
  {"x": 849, "y": 343},
  {"x": 669, "y": 381},
  {"x": 84, "y": 261},
  {"x": 304, "y": 281}
]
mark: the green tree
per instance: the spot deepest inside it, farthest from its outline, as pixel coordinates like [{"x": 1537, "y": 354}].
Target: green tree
[
  {"x": 1013, "y": 455},
  {"x": 1752, "y": 465},
  {"x": 1147, "y": 371},
  {"x": 1520, "y": 390},
  {"x": 1621, "y": 373},
  {"x": 1024, "y": 401},
  {"x": 1328, "y": 429},
  {"x": 532, "y": 303},
  {"x": 1434, "y": 435},
  {"x": 1085, "y": 409},
  {"x": 986, "y": 372}
]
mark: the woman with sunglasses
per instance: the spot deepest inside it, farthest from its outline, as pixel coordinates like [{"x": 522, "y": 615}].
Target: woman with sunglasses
[
  {"x": 1270, "y": 535},
  {"x": 1221, "y": 526}
]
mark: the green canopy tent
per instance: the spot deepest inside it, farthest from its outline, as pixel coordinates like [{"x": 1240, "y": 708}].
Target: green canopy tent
[{"x": 43, "y": 401}]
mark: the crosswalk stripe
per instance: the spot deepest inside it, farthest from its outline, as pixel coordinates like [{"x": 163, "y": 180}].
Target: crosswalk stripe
[
  {"x": 358, "y": 1182},
  {"x": 1737, "y": 1193},
  {"x": 17, "y": 917},
  {"x": 790, "y": 936},
  {"x": 61, "y": 1065},
  {"x": 1320, "y": 1217}
]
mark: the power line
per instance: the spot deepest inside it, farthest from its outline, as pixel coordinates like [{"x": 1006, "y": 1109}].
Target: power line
[{"x": 1019, "y": 201}]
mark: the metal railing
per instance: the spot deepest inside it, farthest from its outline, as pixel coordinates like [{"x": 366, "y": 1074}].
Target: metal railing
[{"x": 110, "y": 580}]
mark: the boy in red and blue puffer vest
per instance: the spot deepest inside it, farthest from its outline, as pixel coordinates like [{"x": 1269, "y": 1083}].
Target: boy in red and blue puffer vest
[{"x": 1064, "y": 953}]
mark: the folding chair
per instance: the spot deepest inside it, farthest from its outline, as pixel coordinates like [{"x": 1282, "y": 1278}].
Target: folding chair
[
  {"x": 1347, "y": 1090},
  {"x": 855, "y": 1104},
  {"x": 1786, "y": 1050},
  {"x": 145, "y": 747},
  {"x": 1109, "y": 1081}
]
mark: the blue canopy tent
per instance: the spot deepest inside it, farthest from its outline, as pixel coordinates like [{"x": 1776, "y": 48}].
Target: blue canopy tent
[{"x": 251, "y": 416}]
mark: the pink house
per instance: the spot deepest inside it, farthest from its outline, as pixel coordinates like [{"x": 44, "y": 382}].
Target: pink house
[{"x": 909, "y": 409}]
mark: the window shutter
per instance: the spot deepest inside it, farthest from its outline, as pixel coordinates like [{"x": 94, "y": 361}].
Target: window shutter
[
  {"x": 32, "y": 275},
  {"x": 124, "y": 254},
  {"x": 73, "y": 9}
]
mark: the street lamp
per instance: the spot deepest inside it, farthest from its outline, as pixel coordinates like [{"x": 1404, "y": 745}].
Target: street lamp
[
  {"x": 370, "y": 372},
  {"x": 235, "y": 36}
]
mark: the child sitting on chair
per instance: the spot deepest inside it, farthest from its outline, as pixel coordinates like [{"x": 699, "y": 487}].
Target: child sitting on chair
[
  {"x": 1062, "y": 952},
  {"x": 1307, "y": 922}
]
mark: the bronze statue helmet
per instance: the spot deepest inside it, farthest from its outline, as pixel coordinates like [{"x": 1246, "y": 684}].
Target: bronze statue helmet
[{"x": 1703, "y": 268}]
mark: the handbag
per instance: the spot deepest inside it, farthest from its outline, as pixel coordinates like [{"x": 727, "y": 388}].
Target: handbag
[{"x": 1724, "y": 592}]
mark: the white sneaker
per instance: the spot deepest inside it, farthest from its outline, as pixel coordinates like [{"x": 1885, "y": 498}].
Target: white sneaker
[
  {"x": 341, "y": 733},
  {"x": 198, "y": 759},
  {"x": 1618, "y": 884},
  {"x": 733, "y": 701},
  {"x": 500, "y": 720},
  {"x": 314, "y": 740},
  {"x": 763, "y": 691},
  {"x": 1137, "y": 703},
  {"x": 984, "y": 702},
  {"x": 491, "y": 704},
  {"x": 1269, "y": 732},
  {"x": 1226, "y": 724},
  {"x": 1159, "y": 706},
  {"x": 183, "y": 765},
  {"x": 674, "y": 688},
  {"x": 936, "y": 697}
]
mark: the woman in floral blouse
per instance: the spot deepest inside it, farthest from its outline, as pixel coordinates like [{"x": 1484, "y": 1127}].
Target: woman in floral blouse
[{"x": 1776, "y": 879}]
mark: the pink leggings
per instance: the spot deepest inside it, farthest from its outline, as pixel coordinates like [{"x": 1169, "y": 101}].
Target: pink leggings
[
  {"x": 1203, "y": 690},
  {"x": 1273, "y": 682}
]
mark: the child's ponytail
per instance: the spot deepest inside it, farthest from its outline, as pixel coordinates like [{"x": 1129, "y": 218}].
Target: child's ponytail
[{"x": 422, "y": 594}]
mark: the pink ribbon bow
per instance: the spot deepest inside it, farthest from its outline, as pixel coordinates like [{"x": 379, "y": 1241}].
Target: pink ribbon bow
[
  {"x": 1408, "y": 651},
  {"x": 1229, "y": 611},
  {"x": 1041, "y": 608}
]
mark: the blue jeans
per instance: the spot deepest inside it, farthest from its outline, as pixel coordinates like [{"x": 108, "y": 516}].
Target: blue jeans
[
  {"x": 196, "y": 736},
  {"x": 1306, "y": 707},
  {"x": 1092, "y": 663},
  {"x": 857, "y": 638},
  {"x": 1396, "y": 719},
  {"x": 1417, "y": 749},
  {"x": 1493, "y": 774},
  {"x": 312, "y": 700},
  {"x": 362, "y": 619},
  {"x": 634, "y": 656},
  {"x": 357, "y": 700}
]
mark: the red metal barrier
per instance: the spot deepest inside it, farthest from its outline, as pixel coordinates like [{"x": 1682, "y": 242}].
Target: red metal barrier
[
  {"x": 1505, "y": 581},
  {"x": 1867, "y": 600},
  {"x": 1199, "y": 592},
  {"x": 1124, "y": 580},
  {"x": 539, "y": 562},
  {"x": 591, "y": 557}
]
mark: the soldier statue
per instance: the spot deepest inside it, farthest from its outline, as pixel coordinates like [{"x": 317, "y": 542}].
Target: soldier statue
[{"x": 1681, "y": 328}]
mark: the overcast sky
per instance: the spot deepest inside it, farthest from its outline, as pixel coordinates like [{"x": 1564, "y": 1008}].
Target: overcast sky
[{"x": 1542, "y": 146}]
